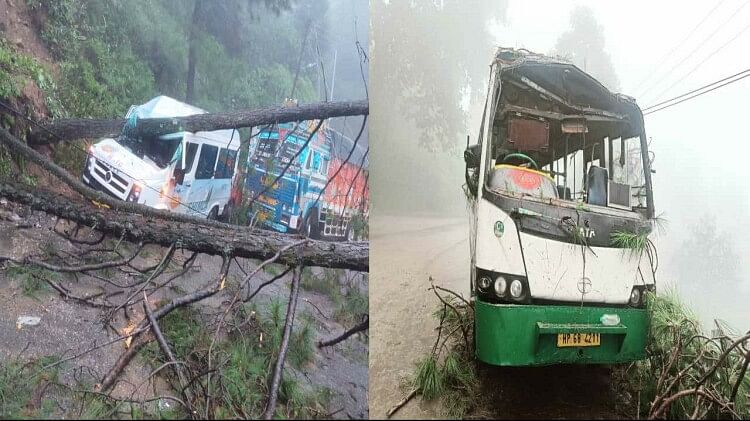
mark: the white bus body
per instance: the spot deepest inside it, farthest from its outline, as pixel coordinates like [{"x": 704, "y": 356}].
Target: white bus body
[{"x": 148, "y": 171}]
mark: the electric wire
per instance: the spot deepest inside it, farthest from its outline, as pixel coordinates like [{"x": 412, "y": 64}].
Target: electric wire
[
  {"x": 696, "y": 95},
  {"x": 691, "y": 53},
  {"x": 667, "y": 56},
  {"x": 695, "y": 90}
]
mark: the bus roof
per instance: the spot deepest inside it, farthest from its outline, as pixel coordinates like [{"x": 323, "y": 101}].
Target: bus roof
[
  {"x": 163, "y": 106},
  {"x": 575, "y": 93}
]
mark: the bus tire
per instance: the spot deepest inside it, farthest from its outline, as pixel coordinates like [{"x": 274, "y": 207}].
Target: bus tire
[{"x": 312, "y": 224}]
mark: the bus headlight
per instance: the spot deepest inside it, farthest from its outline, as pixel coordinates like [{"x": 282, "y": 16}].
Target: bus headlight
[
  {"x": 635, "y": 297},
  {"x": 500, "y": 286},
  {"x": 484, "y": 282},
  {"x": 516, "y": 289}
]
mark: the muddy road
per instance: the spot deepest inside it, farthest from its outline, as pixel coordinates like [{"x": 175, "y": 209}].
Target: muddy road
[{"x": 405, "y": 252}]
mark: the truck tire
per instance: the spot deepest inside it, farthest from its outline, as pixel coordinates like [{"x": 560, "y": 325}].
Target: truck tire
[{"x": 312, "y": 224}]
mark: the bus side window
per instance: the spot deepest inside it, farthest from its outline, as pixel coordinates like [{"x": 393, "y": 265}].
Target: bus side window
[
  {"x": 225, "y": 166},
  {"x": 206, "y": 162}
]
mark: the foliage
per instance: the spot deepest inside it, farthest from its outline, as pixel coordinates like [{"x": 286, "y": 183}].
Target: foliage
[
  {"x": 16, "y": 70},
  {"x": 30, "y": 278},
  {"x": 679, "y": 354},
  {"x": 245, "y": 360},
  {"x": 350, "y": 305},
  {"x": 448, "y": 373},
  {"x": 584, "y": 45},
  {"x": 18, "y": 383},
  {"x": 114, "y": 54}
]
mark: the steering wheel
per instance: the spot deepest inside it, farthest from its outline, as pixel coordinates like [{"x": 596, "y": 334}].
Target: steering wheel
[{"x": 522, "y": 157}]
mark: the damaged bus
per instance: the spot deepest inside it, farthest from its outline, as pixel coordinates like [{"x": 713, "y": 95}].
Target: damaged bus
[
  {"x": 560, "y": 187},
  {"x": 154, "y": 171}
]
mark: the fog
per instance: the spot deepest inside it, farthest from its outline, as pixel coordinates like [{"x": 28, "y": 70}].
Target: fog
[{"x": 700, "y": 145}]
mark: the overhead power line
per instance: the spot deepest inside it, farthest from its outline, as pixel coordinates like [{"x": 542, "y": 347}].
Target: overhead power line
[
  {"x": 691, "y": 53},
  {"x": 698, "y": 94},
  {"x": 668, "y": 55},
  {"x": 696, "y": 90},
  {"x": 697, "y": 66}
]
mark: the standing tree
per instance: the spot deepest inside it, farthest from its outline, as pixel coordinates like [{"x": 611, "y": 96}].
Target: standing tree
[
  {"x": 225, "y": 20},
  {"x": 584, "y": 45}
]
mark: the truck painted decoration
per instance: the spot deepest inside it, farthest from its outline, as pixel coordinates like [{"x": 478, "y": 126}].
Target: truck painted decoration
[
  {"x": 295, "y": 203},
  {"x": 560, "y": 172}
]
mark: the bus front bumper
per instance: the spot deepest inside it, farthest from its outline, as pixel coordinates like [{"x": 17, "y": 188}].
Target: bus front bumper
[{"x": 526, "y": 335}]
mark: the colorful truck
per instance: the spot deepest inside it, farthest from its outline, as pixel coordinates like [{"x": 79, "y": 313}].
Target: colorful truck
[{"x": 318, "y": 194}]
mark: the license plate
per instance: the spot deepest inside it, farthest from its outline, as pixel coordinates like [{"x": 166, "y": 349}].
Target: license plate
[{"x": 578, "y": 339}]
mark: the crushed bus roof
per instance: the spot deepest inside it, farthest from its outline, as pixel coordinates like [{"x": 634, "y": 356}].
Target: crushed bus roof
[{"x": 553, "y": 88}]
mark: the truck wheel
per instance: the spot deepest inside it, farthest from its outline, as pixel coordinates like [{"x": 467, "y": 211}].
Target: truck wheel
[{"x": 312, "y": 224}]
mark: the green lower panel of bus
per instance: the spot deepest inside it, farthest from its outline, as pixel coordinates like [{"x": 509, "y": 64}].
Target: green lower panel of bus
[{"x": 521, "y": 335}]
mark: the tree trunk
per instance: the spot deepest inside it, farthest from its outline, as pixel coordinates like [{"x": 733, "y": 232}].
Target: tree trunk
[
  {"x": 231, "y": 241},
  {"x": 70, "y": 129},
  {"x": 192, "y": 47}
]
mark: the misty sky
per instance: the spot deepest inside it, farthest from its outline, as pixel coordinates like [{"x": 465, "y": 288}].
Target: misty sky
[{"x": 702, "y": 150}]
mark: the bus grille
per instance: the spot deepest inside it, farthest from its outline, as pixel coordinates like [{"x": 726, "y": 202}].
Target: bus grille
[{"x": 113, "y": 181}]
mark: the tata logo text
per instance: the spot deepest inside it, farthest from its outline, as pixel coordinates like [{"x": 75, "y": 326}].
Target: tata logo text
[{"x": 586, "y": 232}]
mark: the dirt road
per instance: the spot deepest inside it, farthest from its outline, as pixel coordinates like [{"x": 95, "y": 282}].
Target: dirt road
[
  {"x": 405, "y": 252},
  {"x": 67, "y": 327}
]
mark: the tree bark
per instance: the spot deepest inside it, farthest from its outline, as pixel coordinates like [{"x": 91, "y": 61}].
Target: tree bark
[
  {"x": 213, "y": 240},
  {"x": 192, "y": 39},
  {"x": 70, "y": 129}
]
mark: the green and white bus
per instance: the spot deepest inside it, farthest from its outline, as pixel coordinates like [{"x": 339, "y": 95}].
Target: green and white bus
[{"x": 560, "y": 188}]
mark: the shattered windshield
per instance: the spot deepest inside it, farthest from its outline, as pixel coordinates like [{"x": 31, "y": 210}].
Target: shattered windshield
[{"x": 159, "y": 150}]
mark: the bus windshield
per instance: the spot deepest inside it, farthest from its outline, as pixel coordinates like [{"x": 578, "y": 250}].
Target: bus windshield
[{"x": 159, "y": 150}]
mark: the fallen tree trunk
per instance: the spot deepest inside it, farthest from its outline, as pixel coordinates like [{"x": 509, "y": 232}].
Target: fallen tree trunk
[
  {"x": 214, "y": 240},
  {"x": 72, "y": 128}
]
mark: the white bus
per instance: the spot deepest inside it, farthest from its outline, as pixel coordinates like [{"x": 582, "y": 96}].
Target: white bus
[{"x": 155, "y": 172}]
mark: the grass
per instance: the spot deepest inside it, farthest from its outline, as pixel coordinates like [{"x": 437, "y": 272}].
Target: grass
[
  {"x": 29, "y": 279},
  {"x": 448, "y": 374},
  {"x": 674, "y": 326},
  {"x": 18, "y": 384},
  {"x": 627, "y": 240},
  {"x": 349, "y": 306},
  {"x": 245, "y": 361}
]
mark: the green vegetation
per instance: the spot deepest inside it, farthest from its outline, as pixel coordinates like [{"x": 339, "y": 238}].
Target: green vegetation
[
  {"x": 679, "y": 355},
  {"x": 245, "y": 360},
  {"x": 113, "y": 54},
  {"x": 20, "y": 384},
  {"x": 449, "y": 373},
  {"x": 16, "y": 70},
  {"x": 633, "y": 241},
  {"x": 30, "y": 279},
  {"x": 350, "y": 305}
]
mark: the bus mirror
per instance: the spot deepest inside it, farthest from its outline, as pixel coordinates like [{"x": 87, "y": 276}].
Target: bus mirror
[{"x": 472, "y": 156}]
